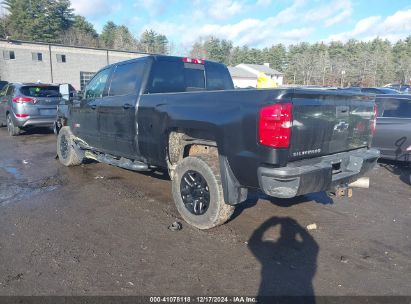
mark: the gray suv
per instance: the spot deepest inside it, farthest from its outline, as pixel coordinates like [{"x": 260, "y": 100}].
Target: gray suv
[
  {"x": 25, "y": 105},
  {"x": 393, "y": 131}
]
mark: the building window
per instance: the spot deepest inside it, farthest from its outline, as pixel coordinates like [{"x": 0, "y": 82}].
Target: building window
[
  {"x": 61, "y": 58},
  {"x": 37, "y": 56},
  {"x": 9, "y": 55},
  {"x": 85, "y": 78}
]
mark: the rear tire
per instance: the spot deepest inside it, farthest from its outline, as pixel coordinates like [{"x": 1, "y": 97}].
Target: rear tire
[
  {"x": 11, "y": 128},
  {"x": 198, "y": 193},
  {"x": 68, "y": 155}
]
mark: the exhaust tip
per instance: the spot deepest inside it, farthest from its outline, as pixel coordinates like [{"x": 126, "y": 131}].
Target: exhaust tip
[{"x": 363, "y": 182}]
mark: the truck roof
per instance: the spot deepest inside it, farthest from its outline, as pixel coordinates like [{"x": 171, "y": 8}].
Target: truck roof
[{"x": 160, "y": 57}]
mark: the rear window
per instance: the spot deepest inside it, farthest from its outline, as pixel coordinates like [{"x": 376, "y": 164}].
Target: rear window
[
  {"x": 392, "y": 107},
  {"x": 40, "y": 91},
  {"x": 177, "y": 76},
  {"x": 194, "y": 76}
]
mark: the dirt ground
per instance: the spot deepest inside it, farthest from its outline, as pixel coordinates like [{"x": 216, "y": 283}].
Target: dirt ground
[{"x": 101, "y": 230}]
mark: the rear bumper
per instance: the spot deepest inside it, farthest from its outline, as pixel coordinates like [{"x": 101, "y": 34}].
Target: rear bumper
[
  {"x": 317, "y": 174},
  {"x": 35, "y": 121}
]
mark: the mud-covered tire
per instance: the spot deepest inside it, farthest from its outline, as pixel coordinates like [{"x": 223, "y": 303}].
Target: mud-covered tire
[
  {"x": 68, "y": 155},
  {"x": 11, "y": 127},
  {"x": 218, "y": 212}
]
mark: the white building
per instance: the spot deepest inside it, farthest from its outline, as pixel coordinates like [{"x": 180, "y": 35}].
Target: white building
[{"x": 245, "y": 75}]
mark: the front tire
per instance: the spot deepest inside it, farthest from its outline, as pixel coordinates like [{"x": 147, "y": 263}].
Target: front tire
[
  {"x": 11, "y": 127},
  {"x": 68, "y": 155},
  {"x": 198, "y": 193}
]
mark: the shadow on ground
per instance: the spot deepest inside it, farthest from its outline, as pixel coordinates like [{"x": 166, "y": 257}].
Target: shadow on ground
[
  {"x": 37, "y": 131},
  {"x": 288, "y": 257},
  {"x": 253, "y": 197},
  {"x": 401, "y": 169}
]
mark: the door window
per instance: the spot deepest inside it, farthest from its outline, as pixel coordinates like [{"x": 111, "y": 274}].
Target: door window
[
  {"x": 126, "y": 78},
  {"x": 96, "y": 87},
  {"x": 400, "y": 108},
  {"x": 3, "y": 91},
  {"x": 166, "y": 77},
  {"x": 218, "y": 77},
  {"x": 10, "y": 90}
]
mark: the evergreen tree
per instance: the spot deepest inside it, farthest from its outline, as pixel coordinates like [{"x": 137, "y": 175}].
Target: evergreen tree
[
  {"x": 152, "y": 42},
  {"x": 108, "y": 35},
  {"x": 39, "y": 20}
]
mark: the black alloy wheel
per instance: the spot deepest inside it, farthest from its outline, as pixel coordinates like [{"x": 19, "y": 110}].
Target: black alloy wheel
[
  {"x": 195, "y": 192},
  {"x": 64, "y": 148}
]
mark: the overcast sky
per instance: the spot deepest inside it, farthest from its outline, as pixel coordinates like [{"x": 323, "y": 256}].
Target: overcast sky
[{"x": 257, "y": 23}]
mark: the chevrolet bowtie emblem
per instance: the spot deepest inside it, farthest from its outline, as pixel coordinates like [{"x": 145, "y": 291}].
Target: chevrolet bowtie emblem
[{"x": 341, "y": 126}]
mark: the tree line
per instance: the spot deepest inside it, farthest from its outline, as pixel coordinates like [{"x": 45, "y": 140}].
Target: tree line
[
  {"x": 54, "y": 21},
  {"x": 354, "y": 63},
  {"x": 372, "y": 63}
]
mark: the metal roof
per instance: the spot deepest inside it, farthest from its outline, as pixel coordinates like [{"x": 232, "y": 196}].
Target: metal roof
[
  {"x": 261, "y": 68},
  {"x": 240, "y": 73}
]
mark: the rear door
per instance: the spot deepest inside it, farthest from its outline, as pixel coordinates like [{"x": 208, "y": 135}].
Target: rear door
[
  {"x": 85, "y": 115},
  {"x": 393, "y": 134},
  {"x": 117, "y": 111},
  {"x": 329, "y": 122}
]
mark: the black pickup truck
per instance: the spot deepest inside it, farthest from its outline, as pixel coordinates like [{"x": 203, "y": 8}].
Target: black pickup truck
[{"x": 183, "y": 115}]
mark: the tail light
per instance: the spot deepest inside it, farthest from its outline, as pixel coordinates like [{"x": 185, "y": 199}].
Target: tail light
[
  {"x": 374, "y": 120},
  {"x": 20, "y": 99},
  {"x": 22, "y": 115},
  {"x": 275, "y": 125}
]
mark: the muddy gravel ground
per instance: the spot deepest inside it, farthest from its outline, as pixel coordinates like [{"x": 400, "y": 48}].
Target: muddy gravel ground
[{"x": 101, "y": 230}]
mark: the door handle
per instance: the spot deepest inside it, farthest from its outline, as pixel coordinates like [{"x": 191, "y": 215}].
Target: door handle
[
  {"x": 126, "y": 106},
  {"x": 93, "y": 106}
]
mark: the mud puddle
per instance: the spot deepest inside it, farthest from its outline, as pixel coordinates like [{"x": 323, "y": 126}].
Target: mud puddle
[{"x": 14, "y": 187}]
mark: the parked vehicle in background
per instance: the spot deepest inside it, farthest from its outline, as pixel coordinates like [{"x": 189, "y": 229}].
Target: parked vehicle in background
[
  {"x": 379, "y": 91},
  {"x": 2, "y": 84},
  {"x": 25, "y": 105},
  {"x": 403, "y": 88},
  {"x": 371, "y": 90},
  {"x": 183, "y": 115},
  {"x": 393, "y": 131}
]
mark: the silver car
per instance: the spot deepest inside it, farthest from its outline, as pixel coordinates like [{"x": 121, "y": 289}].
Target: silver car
[
  {"x": 25, "y": 105},
  {"x": 393, "y": 131}
]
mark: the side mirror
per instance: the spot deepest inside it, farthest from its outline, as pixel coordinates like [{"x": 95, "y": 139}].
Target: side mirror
[
  {"x": 64, "y": 90},
  {"x": 68, "y": 94}
]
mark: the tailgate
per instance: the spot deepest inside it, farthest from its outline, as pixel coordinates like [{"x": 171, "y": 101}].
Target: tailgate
[{"x": 327, "y": 122}]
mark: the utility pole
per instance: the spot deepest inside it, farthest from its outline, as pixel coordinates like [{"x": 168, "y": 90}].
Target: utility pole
[{"x": 342, "y": 78}]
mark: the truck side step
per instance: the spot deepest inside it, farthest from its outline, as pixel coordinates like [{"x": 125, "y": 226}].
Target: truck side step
[{"x": 122, "y": 162}]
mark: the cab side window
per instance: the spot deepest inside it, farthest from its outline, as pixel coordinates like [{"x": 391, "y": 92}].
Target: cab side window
[
  {"x": 96, "y": 87},
  {"x": 399, "y": 108},
  {"x": 127, "y": 78}
]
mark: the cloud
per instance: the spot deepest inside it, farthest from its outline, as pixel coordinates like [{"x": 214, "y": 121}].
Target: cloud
[
  {"x": 224, "y": 9},
  {"x": 92, "y": 9},
  {"x": 332, "y": 13},
  {"x": 250, "y": 31},
  {"x": 153, "y": 7},
  {"x": 264, "y": 2},
  {"x": 393, "y": 27}
]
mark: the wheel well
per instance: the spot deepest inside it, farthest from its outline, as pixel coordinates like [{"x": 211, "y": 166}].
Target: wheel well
[{"x": 181, "y": 145}]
